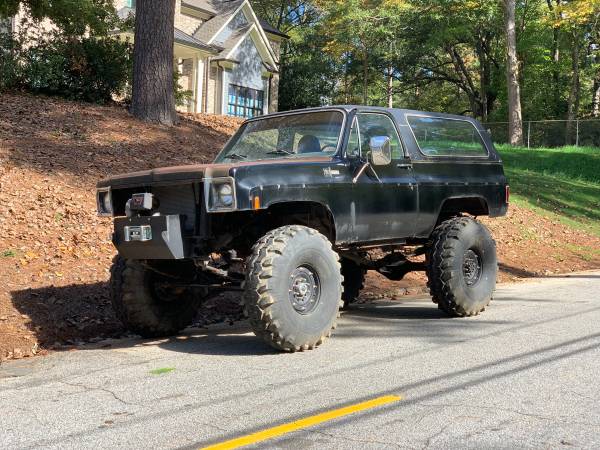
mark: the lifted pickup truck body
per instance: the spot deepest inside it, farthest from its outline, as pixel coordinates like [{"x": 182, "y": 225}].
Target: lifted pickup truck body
[
  {"x": 403, "y": 204},
  {"x": 364, "y": 178}
]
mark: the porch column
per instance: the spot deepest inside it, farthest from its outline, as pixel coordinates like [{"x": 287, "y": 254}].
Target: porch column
[
  {"x": 178, "y": 65},
  {"x": 199, "y": 84},
  {"x": 274, "y": 93}
]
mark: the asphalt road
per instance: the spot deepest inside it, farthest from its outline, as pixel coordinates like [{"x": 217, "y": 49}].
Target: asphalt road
[{"x": 523, "y": 374}]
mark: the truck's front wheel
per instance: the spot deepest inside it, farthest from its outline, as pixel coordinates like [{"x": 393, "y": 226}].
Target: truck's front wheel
[
  {"x": 144, "y": 302},
  {"x": 293, "y": 288},
  {"x": 462, "y": 267}
]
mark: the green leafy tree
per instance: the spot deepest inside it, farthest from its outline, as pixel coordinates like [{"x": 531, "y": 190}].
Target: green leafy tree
[
  {"x": 456, "y": 43},
  {"x": 308, "y": 74},
  {"x": 287, "y": 15},
  {"x": 580, "y": 21},
  {"x": 360, "y": 31}
]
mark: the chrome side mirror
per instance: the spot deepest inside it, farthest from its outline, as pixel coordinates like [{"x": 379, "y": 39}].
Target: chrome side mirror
[{"x": 381, "y": 151}]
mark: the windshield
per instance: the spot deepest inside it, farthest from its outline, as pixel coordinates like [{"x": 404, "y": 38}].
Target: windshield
[{"x": 289, "y": 136}]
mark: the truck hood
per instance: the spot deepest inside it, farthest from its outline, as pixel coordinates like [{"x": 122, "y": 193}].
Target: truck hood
[
  {"x": 192, "y": 173},
  {"x": 167, "y": 175}
]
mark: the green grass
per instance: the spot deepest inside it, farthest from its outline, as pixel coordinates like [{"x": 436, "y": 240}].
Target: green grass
[
  {"x": 162, "y": 371},
  {"x": 8, "y": 254},
  {"x": 562, "y": 183}
]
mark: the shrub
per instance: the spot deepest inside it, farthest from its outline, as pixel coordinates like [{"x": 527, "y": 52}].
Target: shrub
[
  {"x": 9, "y": 66},
  {"x": 92, "y": 69},
  {"x": 88, "y": 69},
  {"x": 182, "y": 96}
]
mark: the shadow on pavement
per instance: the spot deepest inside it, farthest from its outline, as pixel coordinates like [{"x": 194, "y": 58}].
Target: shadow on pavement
[
  {"x": 517, "y": 272},
  {"x": 395, "y": 311},
  {"x": 76, "y": 314},
  {"x": 68, "y": 314},
  {"x": 237, "y": 342},
  {"x": 583, "y": 276}
]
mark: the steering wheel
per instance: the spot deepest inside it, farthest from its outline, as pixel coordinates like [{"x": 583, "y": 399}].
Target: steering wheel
[{"x": 328, "y": 145}]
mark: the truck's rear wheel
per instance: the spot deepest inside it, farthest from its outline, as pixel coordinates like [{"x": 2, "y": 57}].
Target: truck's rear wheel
[
  {"x": 354, "y": 281},
  {"x": 462, "y": 267},
  {"x": 145, "y": 304},
  {"x": 293, "y": 288}
]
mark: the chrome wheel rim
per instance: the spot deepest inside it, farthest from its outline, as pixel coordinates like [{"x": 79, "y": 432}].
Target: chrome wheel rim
[
  {"x": 471, "y": 267},
  {"x": 304, "y": 289}
]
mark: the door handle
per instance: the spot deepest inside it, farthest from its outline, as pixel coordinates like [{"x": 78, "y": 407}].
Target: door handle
[{"x": 406, "y": 166}]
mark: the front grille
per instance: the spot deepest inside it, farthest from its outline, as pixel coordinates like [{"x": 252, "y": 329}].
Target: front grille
[{"x": 177, "y": 200}]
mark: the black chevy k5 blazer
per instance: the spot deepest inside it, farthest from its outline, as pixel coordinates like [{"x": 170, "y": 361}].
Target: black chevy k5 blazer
[{"x": 294, "y": 211}]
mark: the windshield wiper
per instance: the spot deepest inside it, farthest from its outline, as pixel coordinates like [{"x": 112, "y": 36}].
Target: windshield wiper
[
  {"x": 280, "y": 152},
  {"x": 235, "y": 156}
]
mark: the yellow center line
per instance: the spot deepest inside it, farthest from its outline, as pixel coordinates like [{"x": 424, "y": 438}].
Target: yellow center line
[{"x": 286, "y": 428}]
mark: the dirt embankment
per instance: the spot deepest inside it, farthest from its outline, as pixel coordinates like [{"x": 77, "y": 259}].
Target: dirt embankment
[{"x": 55, "y": 252}]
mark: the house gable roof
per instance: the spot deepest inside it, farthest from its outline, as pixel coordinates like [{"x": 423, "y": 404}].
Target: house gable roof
[
  {"x": 225, "y": 11},
  {"x": 209, "y": 6},
  {"x": 215, "y": 7},
  {"x": 234, "y": 40},
  {"x": 238, "y": 37},
  {"x": 222, "y": 16},
  {"x": 222, "y": 12},
  {"x": 185, "y": 39}
]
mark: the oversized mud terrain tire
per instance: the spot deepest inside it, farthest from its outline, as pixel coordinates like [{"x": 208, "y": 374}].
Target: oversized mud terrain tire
[
  {"x": 462, "y": 267},
  {"x": 354, "y": 281},
  {"x": 293, "y": 288},
  {"x": 145, "y": 309}
]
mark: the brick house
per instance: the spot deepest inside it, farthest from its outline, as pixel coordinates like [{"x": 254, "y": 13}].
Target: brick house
[{"x": 226, "y": 56}]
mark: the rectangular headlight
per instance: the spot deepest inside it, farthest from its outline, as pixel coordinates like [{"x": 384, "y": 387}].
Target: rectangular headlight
[
  {"x": 220, "y": 194},
  {"x": 104, "y": 202}
]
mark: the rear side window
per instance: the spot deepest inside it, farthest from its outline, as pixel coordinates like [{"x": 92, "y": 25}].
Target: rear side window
[{"x": 437, "y": 136}]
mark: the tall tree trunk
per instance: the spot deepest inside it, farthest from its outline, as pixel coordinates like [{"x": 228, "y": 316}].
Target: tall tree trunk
[
  {"x": 574, "y": 94},
  {"x": 484, "y": 78},
  {"x": 515, "y": 118},
  {"x": 555, "y": 58},
  {"x": 153, "y": 98},
  {"x": 596, "y": 97},
  {"x": 365, "y": 77},
  {"x": 467, "y": 85},
  {"x": 346, "y": 83},
  {"x": 556, "y": 67},
  {"x": 390, "y": 87}
]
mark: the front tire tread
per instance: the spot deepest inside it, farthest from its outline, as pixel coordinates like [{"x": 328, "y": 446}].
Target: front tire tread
[{"x": 259, "y": 301}]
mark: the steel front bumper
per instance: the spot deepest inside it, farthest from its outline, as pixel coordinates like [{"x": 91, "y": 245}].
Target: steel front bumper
[{"x": 156, "y": 237}]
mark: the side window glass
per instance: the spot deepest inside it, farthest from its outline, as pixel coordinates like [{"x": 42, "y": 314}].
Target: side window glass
[
  {"x": 372, "y": 125},
  {"x": 438, "y": 136},
  {"x": 353, "y": 148}
]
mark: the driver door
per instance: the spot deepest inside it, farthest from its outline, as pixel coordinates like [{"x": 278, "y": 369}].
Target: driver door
[{"x": 385, "y": 208}]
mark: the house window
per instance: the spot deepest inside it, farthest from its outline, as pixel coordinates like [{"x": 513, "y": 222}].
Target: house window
[
  {"x": 131, "y": 3},
  {"x": 244, "y": 102}
]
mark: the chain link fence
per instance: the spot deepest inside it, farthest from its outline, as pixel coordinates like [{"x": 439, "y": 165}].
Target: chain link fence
[{"x": 551, "y": 133}]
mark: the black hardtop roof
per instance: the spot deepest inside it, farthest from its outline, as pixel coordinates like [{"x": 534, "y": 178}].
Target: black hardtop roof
[{"x": 399, "y": 113}]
